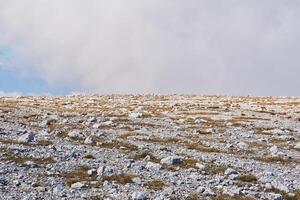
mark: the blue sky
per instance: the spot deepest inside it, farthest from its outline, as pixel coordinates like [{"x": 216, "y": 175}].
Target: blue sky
[{"x": 14, "y": 82}]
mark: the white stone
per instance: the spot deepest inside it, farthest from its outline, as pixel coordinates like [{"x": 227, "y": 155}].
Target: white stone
[
  {"x": 230, "y": 171},
  {"x": 138, "y": 196},
  {"x": 104, "y": 170},
  {"x": 199, "y": 121},
  {"x": 77, "y": 185},
  {"x": 274, "y": 150},
  {"x": 153, "y": 166},
  {"x": 74, "y": 134},
  {"x": 242, "y": 145},
  {"x": 278, "y": 185},
  {"x": 27, "y": 137},
  {"x": 135, "y": 115},
  {"x": 90, "y": 140},
  {"x": 171, "y": 160},
  {"x": 268, "y": 186},
  {"x": 297, "y": 145},
  {"x": 200, "y": 166},
  {"x": 200, "y": 189}
]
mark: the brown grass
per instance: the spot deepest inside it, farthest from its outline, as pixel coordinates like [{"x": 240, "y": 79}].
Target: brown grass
[
  {"x": 202, "y": 148},
  {"x": 186, "y": 164},
  {"x": 276, "y": 159},
  {"x": 143, "y": 154},
  {"x": 121, "y": 179},
  {"x": 164, "y": 140},
  {"x": 38, "y": 143},
  {"x": 79, "y": 174},
  {"x": 248, "y": 178},
  {"x": 155, "y": 185},
  {"x": 22, "y": 159},
  {"x": 285, "y": 195},
  {"x": 227, "y": 197},
  {"x": 89, "y": 156},
  {"x": 115, "y": 144}
]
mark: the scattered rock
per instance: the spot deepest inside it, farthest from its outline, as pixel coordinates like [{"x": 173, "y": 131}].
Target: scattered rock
[
  {"x": 27, "y": 137},
  {"x": 77, "y": 185},
  {"x": 153, "y": 166},
  {"x": 138, "y": 196},
  {"x": 75, "y": 134},
  {"x": 171, "y": 160},
  {"x": 230, "y": 171},
  {"x": 135, "y": 115},
  {"x": 90, "y": 140},
  {"x": 274, "y": 150},
  {"x": 297, "y": 145}
]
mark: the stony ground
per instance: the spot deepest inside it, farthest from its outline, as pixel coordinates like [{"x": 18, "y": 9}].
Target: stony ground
[{"x": 150, "y": 147}]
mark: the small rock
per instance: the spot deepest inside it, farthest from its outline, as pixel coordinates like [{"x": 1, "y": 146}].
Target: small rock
[
  {"x": 209, "y": 192},
  {"x": 107, "y": 123},
  {"x": 273, "y": 196},
  {"x": 90, "y": 140},
  {"x": 230, "y": 171},
  {"x": 74, "y": 134},
  {"x": 92, "y": 172},
  {"x": 30, "y": 164},
  {"x": 104, "y": 170},
  {"x": 41, "y": 189},
  {"x": 274, "y": 150},
  {"x": 297, "y": 145},
  {"x": 16, "y": 182},
  {"x": 138, "y": 196},
  {"x": 199, "y": 121},
  {"x": 200, "y": 189},
  {"x": 3, "y": 181},
  {"x": 278, "y": 185},
  {"x": 135, "y": 115},
  {"x": 200, "y": 166},
  {"x": 242, "y": 145},
  {"x": 137, "y": 180},
  {"x": 268, "y": 186},
  {"x": 77, "y": 185},
  {"x": 153, "y": 166},
  {"x": 171, "y": 160},
  {"x": 27, "y": 137}
]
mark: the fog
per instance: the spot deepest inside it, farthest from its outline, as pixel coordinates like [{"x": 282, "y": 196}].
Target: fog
[{"x": 229, "y": 47}]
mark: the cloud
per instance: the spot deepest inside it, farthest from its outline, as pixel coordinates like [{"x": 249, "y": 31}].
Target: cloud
[
  {"x": 165, "y": 46},
  {"x": 10, "y": 94}
]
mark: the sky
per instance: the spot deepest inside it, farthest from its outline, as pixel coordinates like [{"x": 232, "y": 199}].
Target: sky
[{"x": 58, "y": 47}]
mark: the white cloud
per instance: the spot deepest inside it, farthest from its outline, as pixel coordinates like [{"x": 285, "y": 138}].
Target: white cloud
[
  {"x": 9, "y": 94},
  {"x": 198, "y": 46}
]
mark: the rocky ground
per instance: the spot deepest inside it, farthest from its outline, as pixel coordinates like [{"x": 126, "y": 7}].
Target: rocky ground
[{"x": 150, "y": 147}]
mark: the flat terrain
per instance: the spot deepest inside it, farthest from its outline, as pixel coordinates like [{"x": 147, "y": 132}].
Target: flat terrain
[{"x": 150, "y": 147}]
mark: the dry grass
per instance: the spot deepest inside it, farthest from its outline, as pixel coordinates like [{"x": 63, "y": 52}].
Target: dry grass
[
  {"x": 202, "y": 148},
  {"x": 214, "y": 169},
  {"x": 143, "y": 154},
  {"x": 89, "y": 156},
  {"x": 22, "y": 159},
  {"x": 248, "y": 178},
  {"x": 155, "y": 185},
  {"x": 120, "y": 179},
  {"x": 276, "y": 159},
  {"x": 38, "y": 143},
  {"x": 186, "y": 164},
  {"x": 79, "y": 174},
  {"x": 163, "y": 140},
  {"x": 285, "y": 195},
  {"x": 125, "y": 136},
  {"x": 227, "y": 197},
  {"x": 115, "y": 144}
]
